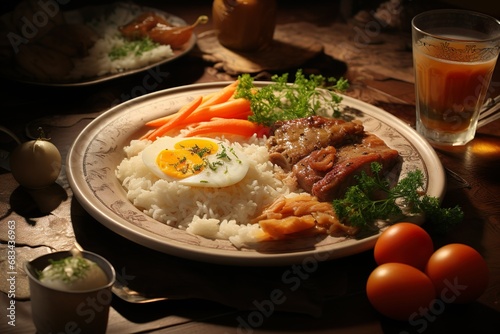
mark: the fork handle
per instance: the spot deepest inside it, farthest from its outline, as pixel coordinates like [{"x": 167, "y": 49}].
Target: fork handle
[{"x": 489, "y": 117}]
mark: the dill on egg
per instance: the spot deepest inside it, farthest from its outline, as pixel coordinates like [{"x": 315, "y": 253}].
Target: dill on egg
[
  {"x": 201, "y": 152},
  {"x": 214, "y": 165},
  {"x": 198, "y": 167},
  {"x": 236, "y": 156},
  {"x": 223, "y": 154}
]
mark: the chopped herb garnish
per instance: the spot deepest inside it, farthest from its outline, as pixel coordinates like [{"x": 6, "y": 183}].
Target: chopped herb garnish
[
  {"x": 236, "y": 156},
  {"x": 223, "y": 154},
  {"x": 198, "y": 167},
  {"x": 214, "y": 165},
  {"x": 135, "y": 47},
  {"x": 199, "y": 151},
  {"x": 67, "y": 270},
  {"x": 184, "y": 169}
]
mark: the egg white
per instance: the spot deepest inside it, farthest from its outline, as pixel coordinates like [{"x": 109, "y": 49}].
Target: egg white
[{"x": 228, "y": 171}]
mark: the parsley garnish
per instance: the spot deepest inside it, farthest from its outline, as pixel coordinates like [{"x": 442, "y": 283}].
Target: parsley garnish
[
  {"x": 360, "y": 207},
  {"x": 135, "y": 47},
  {"x": 283, "y": 101},
  {"x": 67, "y": 270}
]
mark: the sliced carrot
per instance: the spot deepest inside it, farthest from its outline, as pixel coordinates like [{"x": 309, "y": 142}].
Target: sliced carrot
[
  {"x": 146, "y": 135},
  {"x": 241, "y": 115},
  {"x": 226, "y": 109},
  {"x": 233, "y": 126},
  {"x": 210, "y": 99},
  {"x": 160, "y": 121},
  {"x": 221, "y": 96},
  {"x": 237, "y": 108},
  {"x": 180, "y": 116}
]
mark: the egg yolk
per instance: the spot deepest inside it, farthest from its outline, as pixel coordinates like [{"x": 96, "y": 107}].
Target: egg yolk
[{"x": 187, "y": 157}]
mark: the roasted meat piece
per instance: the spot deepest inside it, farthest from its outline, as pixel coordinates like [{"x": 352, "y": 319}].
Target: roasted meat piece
[
  {"x": 142, "y": 25},
  {"x": 328, "y": 172},
  {"x": 159, "y": 30},
  {"x": 295, "y": 139},
  {"x": 324, "y": 155},
  {"x": 314, "y": 167}
]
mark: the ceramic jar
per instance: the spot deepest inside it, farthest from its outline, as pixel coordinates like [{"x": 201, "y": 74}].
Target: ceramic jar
[{"x": 244, "y": 25}]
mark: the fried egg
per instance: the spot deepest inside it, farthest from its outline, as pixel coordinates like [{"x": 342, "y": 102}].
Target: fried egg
[{"x": 196, "y": 161}]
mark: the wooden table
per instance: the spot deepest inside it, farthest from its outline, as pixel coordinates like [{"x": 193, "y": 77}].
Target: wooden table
[{"x": 377, "y": 62}]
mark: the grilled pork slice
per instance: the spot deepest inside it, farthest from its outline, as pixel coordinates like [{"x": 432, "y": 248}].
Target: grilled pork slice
[
  {"x": 328, "y": 172},
  {"x": 295, "y": 139}
]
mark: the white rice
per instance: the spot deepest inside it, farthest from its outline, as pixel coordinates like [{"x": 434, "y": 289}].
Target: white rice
[
  {"x": 98, "y": 62},
  {"x": 216, "y": 213}
]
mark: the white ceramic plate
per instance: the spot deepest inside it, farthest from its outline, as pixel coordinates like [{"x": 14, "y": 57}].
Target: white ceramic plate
[
  {"x": 9, "y": 70},
  {"x": 96, "y": 152}
]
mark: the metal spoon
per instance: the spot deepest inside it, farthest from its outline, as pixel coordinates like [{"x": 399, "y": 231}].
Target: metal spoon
[{"x": 124, "y": 292}]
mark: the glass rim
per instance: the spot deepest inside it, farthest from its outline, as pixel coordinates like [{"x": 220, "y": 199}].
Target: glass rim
[
  {"x": 30, "y": 265},
  {"x": 456, "y": 11}
]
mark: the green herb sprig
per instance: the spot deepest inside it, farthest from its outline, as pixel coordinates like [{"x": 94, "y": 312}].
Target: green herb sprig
[
  {"x": 361, "y": 208},
  {"x": 135, "y": 47},
  {"x": 67, "y": 270},
  {"x": 281, "y": 100}
]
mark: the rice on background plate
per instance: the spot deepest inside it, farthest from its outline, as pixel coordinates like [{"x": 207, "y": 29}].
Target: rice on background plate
[{"x": 215, "y": 213}]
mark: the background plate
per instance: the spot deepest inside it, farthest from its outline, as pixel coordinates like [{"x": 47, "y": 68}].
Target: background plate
[
  {"x": 93, "y": 157},
  {"x": 9, "y": 70}
]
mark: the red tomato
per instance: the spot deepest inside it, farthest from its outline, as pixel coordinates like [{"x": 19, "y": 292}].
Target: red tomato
[
  {"x": 459, "y": 273},
  {"x": 404, "y": 243},
  {"x": 399, "y": 291}
]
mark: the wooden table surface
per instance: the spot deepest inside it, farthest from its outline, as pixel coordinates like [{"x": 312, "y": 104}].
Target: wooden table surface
[{"x": 377, "y": 62}]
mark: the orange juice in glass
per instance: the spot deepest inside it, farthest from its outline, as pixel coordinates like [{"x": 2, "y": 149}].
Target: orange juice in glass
[{"x": 454, "y": 56}]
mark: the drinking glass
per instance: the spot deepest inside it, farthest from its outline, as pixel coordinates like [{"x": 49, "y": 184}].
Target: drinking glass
[
  {"x": 62, "y": 311},
  {"x": 454, "y": 56}
]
